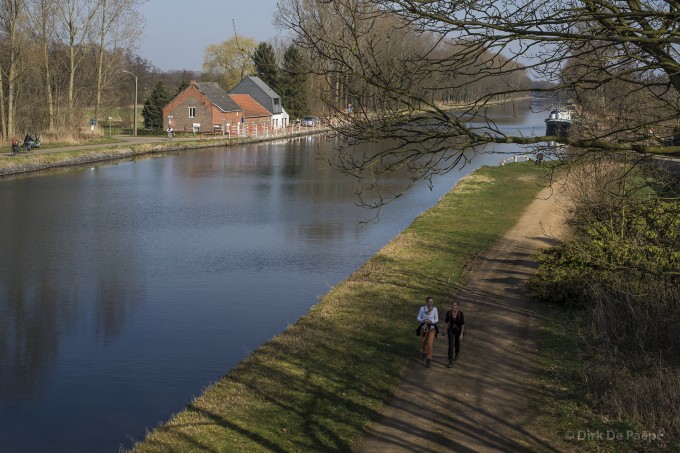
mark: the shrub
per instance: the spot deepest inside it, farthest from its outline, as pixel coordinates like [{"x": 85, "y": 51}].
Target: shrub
[
  {"x": 649, "y": 395},
  {"x": 622, "y": 266}
]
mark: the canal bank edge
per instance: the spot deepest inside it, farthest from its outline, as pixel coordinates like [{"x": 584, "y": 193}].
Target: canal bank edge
[
  {"x": 47, "y": 158},
  {"x": 318, "y": 385}
]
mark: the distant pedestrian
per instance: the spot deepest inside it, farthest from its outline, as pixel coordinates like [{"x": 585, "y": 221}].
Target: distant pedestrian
[
  {"x": 456, "y": 325},
  {"x": 539, "y": 158},
  {"x": 428, "y": 329},
  {"x": 170, "y": 132},
  {"x": 15, "y": 146}
]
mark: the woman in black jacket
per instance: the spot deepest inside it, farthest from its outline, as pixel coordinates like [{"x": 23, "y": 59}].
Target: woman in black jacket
[{"x": 456, "y": 325}]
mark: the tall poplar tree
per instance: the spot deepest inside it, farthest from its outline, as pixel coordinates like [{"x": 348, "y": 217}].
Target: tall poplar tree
[
  {"x": 293, "y": 82},
  {"x": 266, "y": 66}
]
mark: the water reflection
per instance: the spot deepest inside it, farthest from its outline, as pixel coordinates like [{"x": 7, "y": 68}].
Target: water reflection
[
  {"x": 126, "y": 287},
  {"x": 55, "y": 275}
]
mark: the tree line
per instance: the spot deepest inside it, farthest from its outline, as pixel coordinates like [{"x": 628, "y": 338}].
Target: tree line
[
  {"x": 59, "y": 57},
  {"x": 65, "y": 62}
]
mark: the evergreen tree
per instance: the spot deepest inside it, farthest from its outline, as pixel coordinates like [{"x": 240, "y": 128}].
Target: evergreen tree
[
  {"x": 153, "y": 107},
  {"x": 293, "y": 84},
  {"x": 182, "y": 86},
  {"x": 266, "y": 67}
]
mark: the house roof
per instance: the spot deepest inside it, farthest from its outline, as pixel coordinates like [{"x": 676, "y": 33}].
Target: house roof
[
  {"x": 263, "y": 86},
  {"x": 250, "y": 106},
  {"x": 217, "y": 96},
  {"x": 257, "y": 89}
]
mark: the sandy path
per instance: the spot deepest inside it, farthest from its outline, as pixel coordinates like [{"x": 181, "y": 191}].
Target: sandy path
[{"x": 483, "y": 403}]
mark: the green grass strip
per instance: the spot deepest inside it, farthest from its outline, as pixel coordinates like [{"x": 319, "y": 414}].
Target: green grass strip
[
  {"x": 36, "y": 161},
  {"x": 85, "y": 154},
  {"x": 316, "y": 386}
]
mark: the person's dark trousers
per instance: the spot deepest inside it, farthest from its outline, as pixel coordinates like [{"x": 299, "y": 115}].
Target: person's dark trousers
[{"x": 454, "y": 340}]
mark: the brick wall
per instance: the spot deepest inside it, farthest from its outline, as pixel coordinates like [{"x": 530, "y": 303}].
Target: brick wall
[
  {"x": 206, "y": 113},
  {"x": 225, "y": 118}
]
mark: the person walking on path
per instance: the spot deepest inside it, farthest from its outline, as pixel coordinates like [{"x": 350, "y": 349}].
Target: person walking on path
[
  {"x": 428, "y": 318},
  {"x": 456, "y": 325},
  {"x": 170, "y": 132},
  {"x": 539, "y": 157}
]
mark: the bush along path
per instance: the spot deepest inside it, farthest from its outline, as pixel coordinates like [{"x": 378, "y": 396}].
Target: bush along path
[{"x": 318, "y": 385}]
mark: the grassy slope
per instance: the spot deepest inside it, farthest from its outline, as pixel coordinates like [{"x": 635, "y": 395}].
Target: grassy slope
[
  {"x": 315, "y": 386},
  {"x": 36, "y": 161},
  {"x": 27, "y": 162}
]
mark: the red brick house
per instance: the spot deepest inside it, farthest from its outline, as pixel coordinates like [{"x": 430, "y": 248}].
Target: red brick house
[
  {"x": 202, "y": 107},
  {"x": 265, "y": 96},
  {"x": 253, "y": 113}
]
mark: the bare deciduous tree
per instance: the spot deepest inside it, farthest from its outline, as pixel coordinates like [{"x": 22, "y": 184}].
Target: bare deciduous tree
[
  {"x": 10, "y": 25},
  {"x": 43, "y": 11},
  {"x": 75, "y": 19},
  {"x": 57, "y": 59},
  {"x": 401, "y": 62},
  {"x": 120, "y": 26}
]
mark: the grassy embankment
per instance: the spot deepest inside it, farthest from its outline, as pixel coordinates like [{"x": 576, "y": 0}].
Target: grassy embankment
[
  {"x": 104, "y": 149},
  {"x": 35, "y": 161},
  {"x": 316, "y": 386}
]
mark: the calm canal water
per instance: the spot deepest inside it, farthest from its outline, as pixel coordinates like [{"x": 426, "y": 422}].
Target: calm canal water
[{"x": 127, "y": 288}]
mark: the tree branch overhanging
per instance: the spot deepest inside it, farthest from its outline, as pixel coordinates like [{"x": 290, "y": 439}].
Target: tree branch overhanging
[{"x": 406, "y": 66}]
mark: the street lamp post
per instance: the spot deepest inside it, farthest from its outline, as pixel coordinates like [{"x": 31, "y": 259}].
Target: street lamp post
[{"x": 134, "y": 121}]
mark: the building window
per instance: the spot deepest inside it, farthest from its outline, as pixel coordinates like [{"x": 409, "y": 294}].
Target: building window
[
  {"x": 276, "y": 101},
  {"x": 192, "y": 112}
]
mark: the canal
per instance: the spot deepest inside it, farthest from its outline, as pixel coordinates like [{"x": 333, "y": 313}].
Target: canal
[{"x": 128, "y": 287}]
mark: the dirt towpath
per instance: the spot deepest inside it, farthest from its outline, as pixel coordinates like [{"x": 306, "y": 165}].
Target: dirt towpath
[{"x": 484, "y": 402}]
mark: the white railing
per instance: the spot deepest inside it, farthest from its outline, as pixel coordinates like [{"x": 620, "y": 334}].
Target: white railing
[
  {"x": 257, "y": 131},
  {"x": 267, "y": 131},
  {"x": 526, "y": 157}
]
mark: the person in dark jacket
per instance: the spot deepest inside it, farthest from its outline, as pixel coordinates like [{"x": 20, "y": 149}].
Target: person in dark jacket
[{"x": 456, "y": 325}]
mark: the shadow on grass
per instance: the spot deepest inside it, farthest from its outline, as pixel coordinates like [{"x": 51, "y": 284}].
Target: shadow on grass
[
  {"x": 316, "y": 386},
  {"x": 502, "y": 376}
]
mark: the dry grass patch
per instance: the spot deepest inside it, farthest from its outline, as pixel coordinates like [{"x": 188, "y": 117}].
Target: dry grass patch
[{"x": 473, "y": 183}]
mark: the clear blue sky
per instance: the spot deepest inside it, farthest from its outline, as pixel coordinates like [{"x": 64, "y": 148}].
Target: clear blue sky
[{"x": 178, "y": 31}]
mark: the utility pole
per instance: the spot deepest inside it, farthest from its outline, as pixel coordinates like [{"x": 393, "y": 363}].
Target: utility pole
[{"x": 134, "y": 121}]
